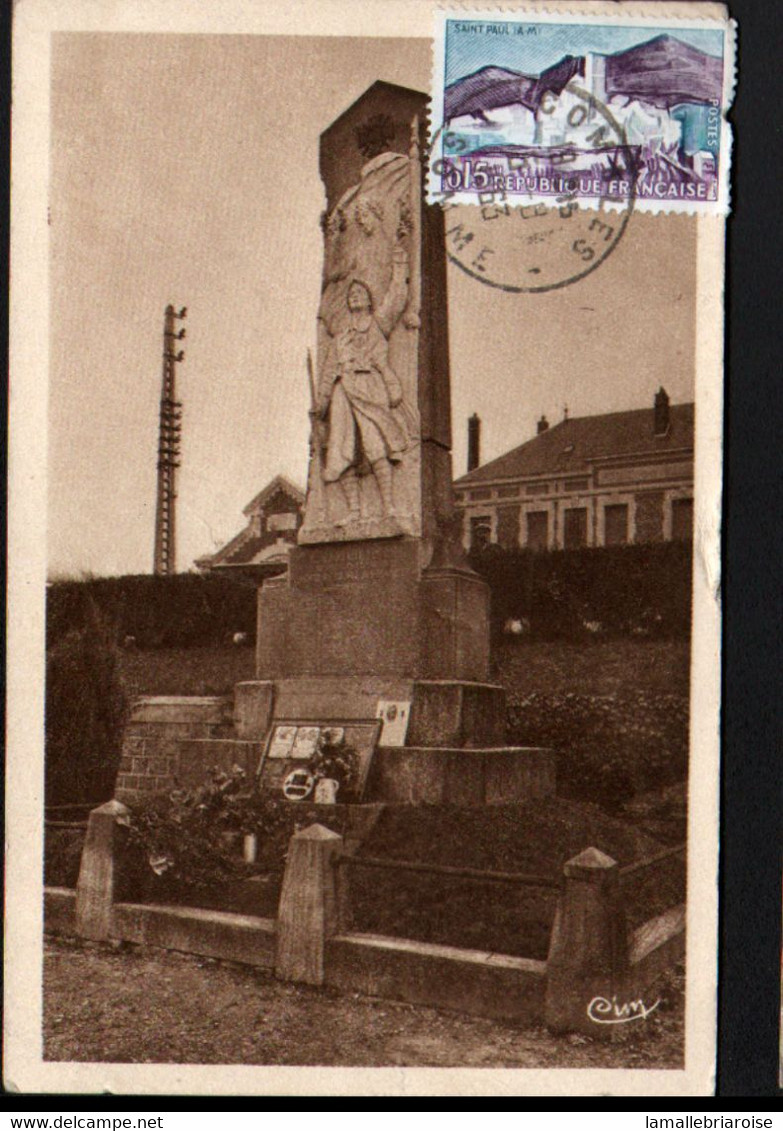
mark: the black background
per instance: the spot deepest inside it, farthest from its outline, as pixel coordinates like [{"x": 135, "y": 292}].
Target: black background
[{"x": 750, "y": 884}]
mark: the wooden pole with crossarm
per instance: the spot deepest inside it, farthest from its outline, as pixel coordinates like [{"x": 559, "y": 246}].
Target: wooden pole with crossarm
[{"x": 169, "y": 433}]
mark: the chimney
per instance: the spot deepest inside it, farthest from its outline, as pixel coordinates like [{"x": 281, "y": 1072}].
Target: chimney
[
  {"x": 542, "y": 425},
  {"x": 661, "y": 413},
  {"x": 474, "y": 441}
]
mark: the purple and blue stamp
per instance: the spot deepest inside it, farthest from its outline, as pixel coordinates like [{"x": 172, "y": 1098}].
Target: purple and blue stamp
[{"x": 608, "y": 112}]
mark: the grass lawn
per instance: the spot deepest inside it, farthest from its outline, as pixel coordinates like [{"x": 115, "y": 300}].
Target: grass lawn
[
  {"x": 607, "y": 667},
  {"x": 594, "y": 668},
  {"x": 186, "y": 671}
]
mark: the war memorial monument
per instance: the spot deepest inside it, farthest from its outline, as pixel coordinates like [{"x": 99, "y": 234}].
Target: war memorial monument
[{"x": 379, "y": 615}]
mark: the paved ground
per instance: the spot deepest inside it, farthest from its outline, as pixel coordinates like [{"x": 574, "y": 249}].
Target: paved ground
[{"x": 142, "y": 1005}]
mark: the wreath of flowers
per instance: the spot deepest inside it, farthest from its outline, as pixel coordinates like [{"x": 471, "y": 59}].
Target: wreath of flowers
[{"x": 335, "y": 759}]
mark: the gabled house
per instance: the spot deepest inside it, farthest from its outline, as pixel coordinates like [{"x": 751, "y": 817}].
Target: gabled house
[{"x": 273, "y": 519}]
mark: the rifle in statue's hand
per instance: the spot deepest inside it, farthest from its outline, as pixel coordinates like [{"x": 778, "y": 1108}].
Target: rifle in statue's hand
[{"x": 318, "y": 427}]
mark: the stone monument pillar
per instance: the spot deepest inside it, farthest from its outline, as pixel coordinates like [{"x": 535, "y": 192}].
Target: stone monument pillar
[{"x": 379, "y": 601}]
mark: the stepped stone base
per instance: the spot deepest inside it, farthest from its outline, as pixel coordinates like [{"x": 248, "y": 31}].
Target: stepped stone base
[
  {"x": 495, "y": 776},
  {"x": 454, "y": 753},
  {"x": 443, "y": 712}
]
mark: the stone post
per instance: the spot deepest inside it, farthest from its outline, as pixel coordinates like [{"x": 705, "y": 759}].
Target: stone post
[
  {"x": 588, "y": 950},
  {"x": 95, "y": 886},
  {"x": 253, "y": 703},
  {"x": 307, "y": 915}
]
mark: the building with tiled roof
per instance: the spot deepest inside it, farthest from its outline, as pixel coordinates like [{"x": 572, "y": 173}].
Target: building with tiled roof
[
  {"x": 588, "y": 481},
  {"x": 274, "y": 517}
]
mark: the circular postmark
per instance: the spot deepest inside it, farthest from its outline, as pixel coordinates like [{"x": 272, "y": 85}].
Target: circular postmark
[{"x": 510, "y": 238}]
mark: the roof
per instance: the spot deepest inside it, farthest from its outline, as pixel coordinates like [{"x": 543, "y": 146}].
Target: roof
[
  {"x": 572, "y": 445},
  {"x": 246, "y": 550},
  {"x": 279, "y": 483},
  {"x": 259, "y": 547}
]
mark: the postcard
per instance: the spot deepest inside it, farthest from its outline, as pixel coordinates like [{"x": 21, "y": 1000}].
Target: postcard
[{"x": 366, "y": 379}]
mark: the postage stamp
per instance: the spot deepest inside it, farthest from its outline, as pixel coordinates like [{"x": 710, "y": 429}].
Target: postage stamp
[{"x": 552, "y": 108}]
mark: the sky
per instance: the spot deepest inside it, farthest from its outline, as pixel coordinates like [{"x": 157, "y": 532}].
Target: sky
[
  {"x": 545, "y": 44},
  {"x": 184, "y": 169}
]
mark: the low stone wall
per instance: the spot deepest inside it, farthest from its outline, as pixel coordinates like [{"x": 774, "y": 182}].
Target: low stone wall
[
  {"x": 655, "y": 947},
  {"x": 595, "y": 968},
  {"x": 486, "y": 985},
  {"x": 214, "y": 934},
  {"x": 60, "y": 910}
]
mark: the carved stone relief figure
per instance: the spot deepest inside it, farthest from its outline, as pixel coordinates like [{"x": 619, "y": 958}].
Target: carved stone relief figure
[
  {"x": 363, "y": 479},
  {"x": 370, "y": 427}
]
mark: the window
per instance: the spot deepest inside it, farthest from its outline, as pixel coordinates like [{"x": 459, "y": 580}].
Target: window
[
  {"x": 508, "y": 492},
  {"x": 575, "y": 528},
  {"x": 537, "y": 530},
  {"x": 537, "y": 489},
  {"x": 480, "y": 531},
  {"x": 616, "y": 524},
  {"x": 282, "y": 521},
  {"x": 508, "y": 527},
  {"x": 481, "y": 493},
  {"x": 682, "y": 519},
  {"x": 580, "y": 484}
]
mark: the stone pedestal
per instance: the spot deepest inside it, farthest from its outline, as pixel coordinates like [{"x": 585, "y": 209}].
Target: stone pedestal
[
  {"x": 444, "y": 713},
  {"x": 373, "y": 607},
  {"x": 431, "y": 775},
  {"x": 358, "y": 622}
]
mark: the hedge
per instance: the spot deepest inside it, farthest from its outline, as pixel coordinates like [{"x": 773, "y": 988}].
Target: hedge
[
  {"x": 564, "y": 594},
  {"x": 85, "y": 714},
  {"x": 183, "y": 611},
  {"x": 567, "y": 594}
]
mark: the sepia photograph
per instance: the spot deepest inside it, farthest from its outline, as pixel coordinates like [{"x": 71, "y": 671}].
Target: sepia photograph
[{"x": 364, "y": 547}]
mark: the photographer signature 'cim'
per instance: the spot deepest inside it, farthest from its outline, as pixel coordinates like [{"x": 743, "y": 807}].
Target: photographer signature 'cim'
[{"x": 605, "y": 1011}]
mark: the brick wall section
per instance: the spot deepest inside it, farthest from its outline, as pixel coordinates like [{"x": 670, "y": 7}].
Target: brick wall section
[
  {"x": 154, "y": 738},
  {"x": 649, "y": 516}
]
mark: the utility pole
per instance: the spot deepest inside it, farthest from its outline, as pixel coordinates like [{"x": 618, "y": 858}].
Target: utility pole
[{"x": 168, "y": 446}]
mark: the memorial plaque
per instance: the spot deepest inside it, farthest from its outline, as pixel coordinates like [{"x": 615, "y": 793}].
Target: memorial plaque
[
  {"x": 282, "y": 742},
  {"x": 301, "y": 751},
  {"x": 394, "y": 717},
  {"x": 298, "y": 785},
  {"x": 306, "y": 743}
]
